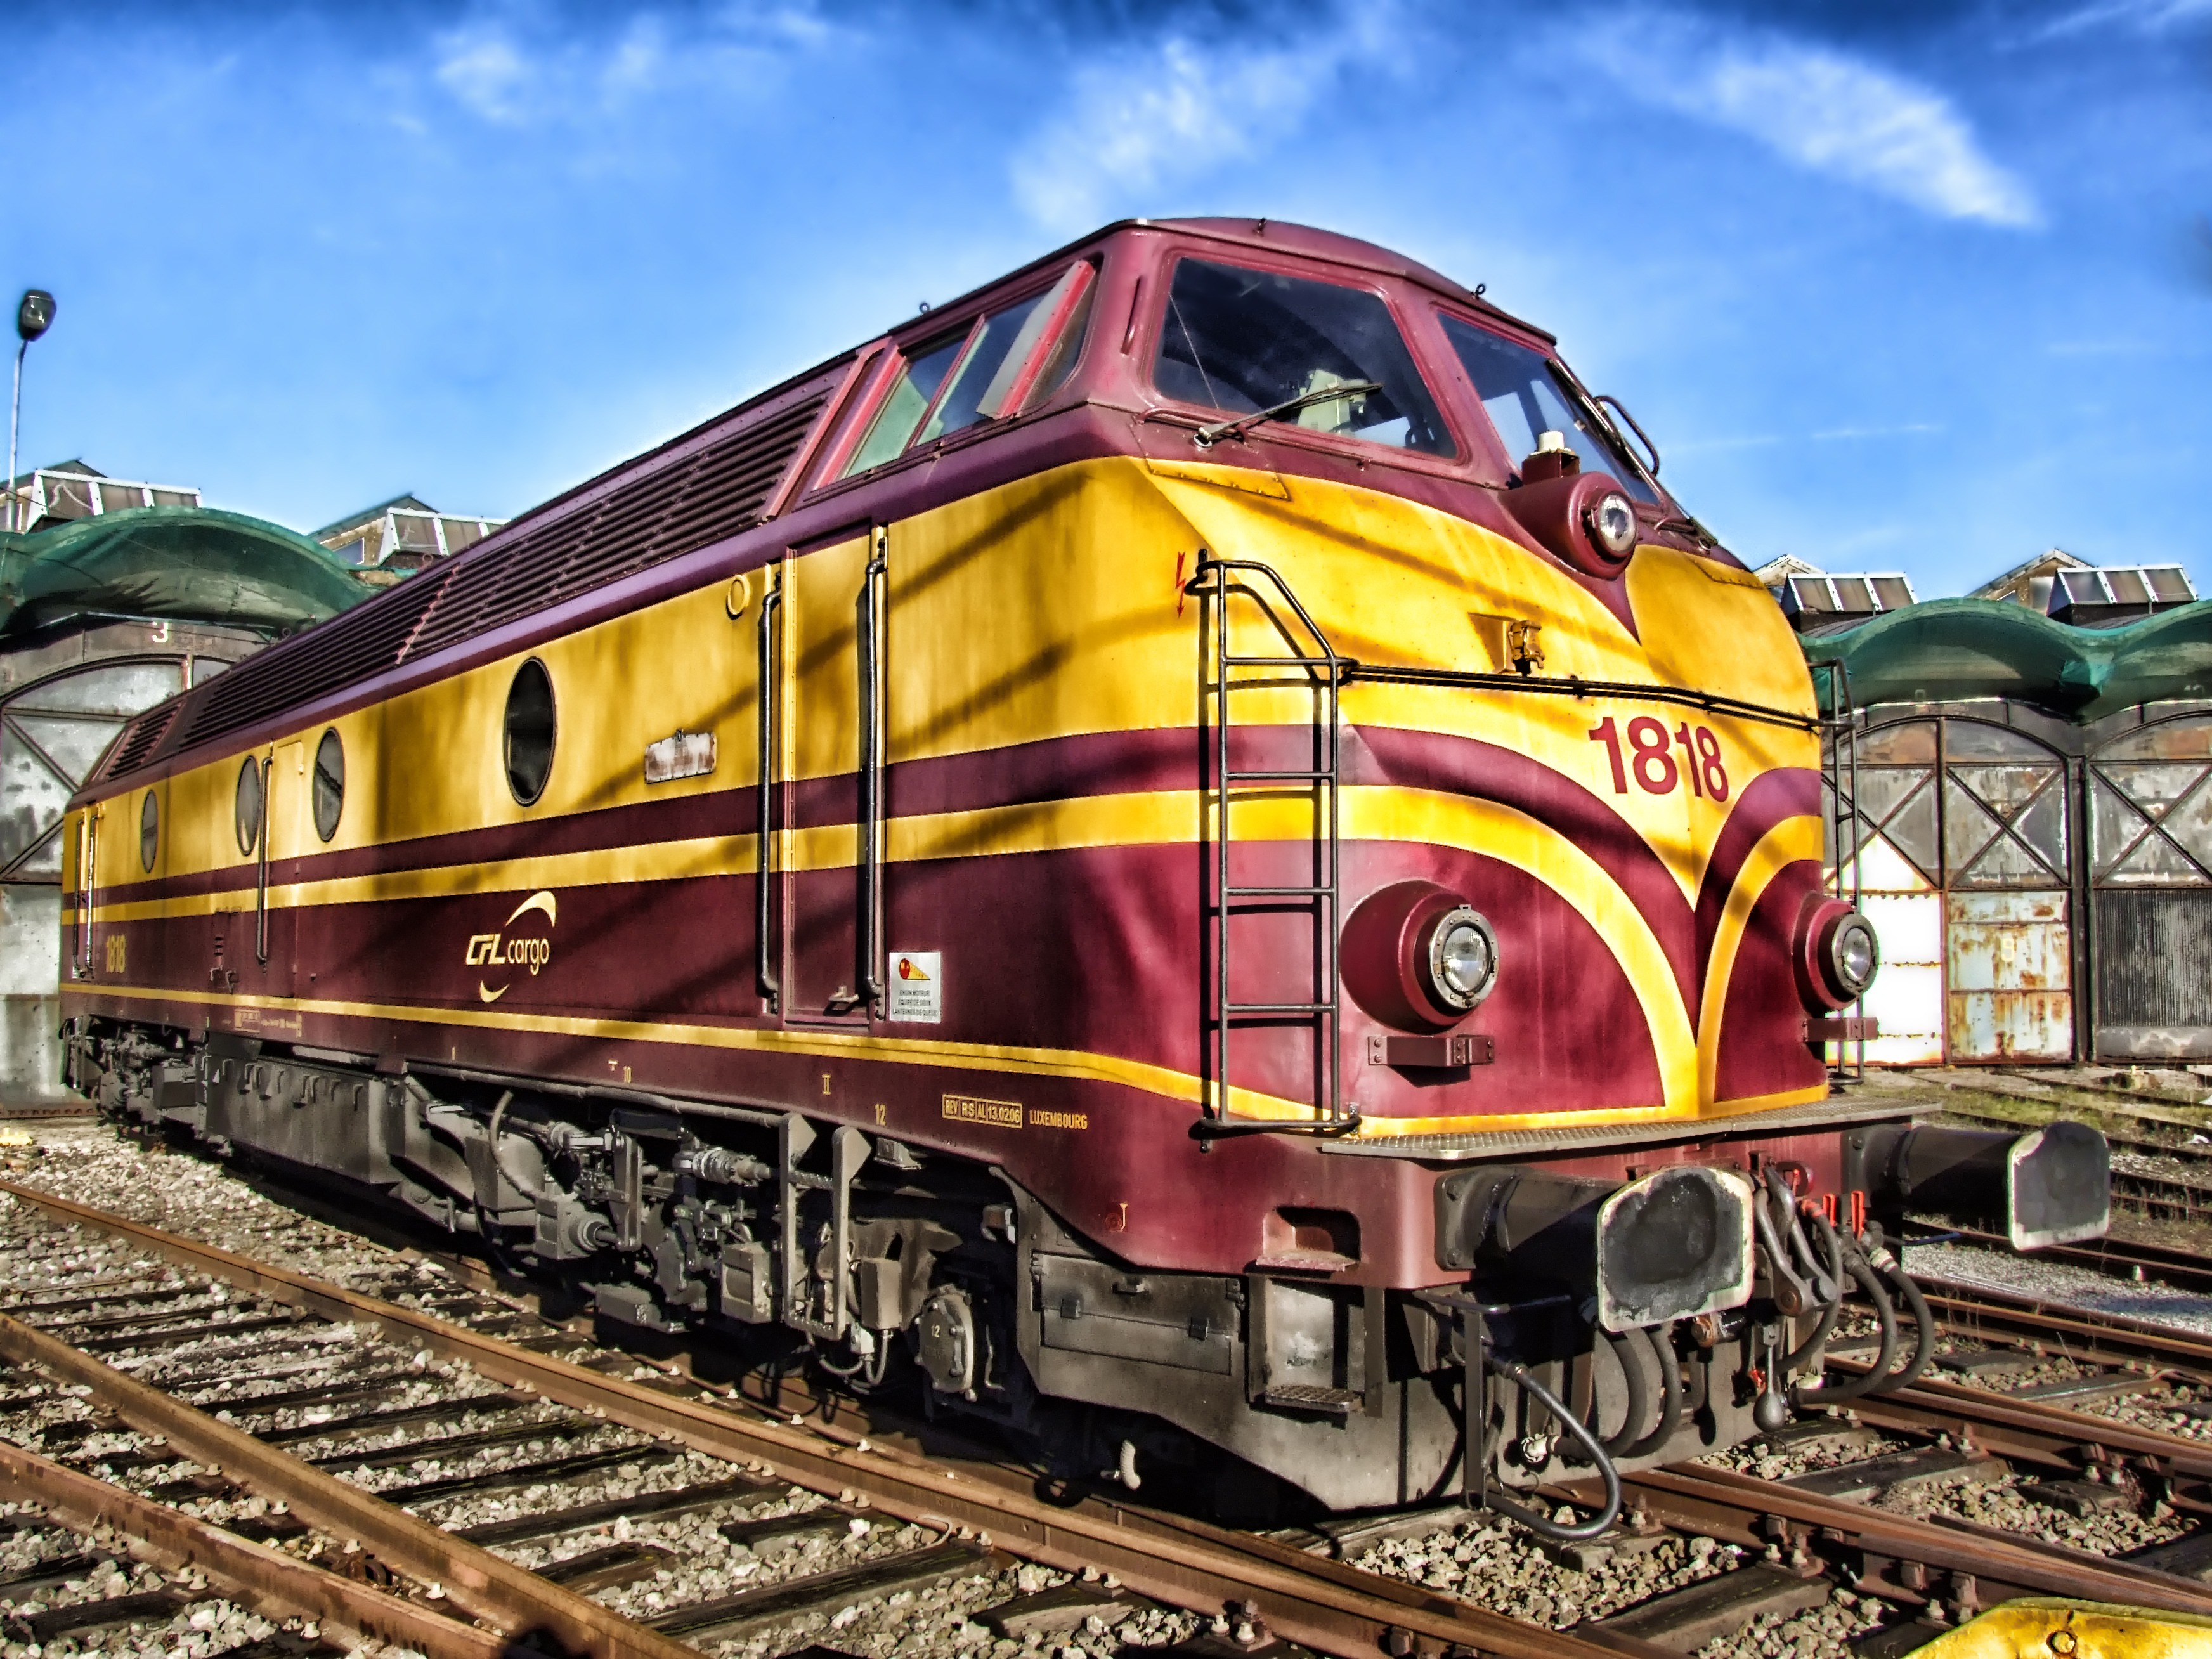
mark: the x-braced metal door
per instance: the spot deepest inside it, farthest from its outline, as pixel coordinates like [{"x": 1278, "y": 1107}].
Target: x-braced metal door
[{"x": 1963, "y": 849}]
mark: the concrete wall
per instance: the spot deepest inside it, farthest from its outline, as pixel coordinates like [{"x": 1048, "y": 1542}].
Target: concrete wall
[{"x": 30, "y": 999}]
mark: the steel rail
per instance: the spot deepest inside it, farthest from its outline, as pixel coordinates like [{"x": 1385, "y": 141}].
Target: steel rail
[
  {"x": 2031, "y": 1430},
  {"x": 1727, "y": 1504},
  {"x": 1324, "y": 1605},
  {"x": 264, "y": 1578},
  {"x": 485, "y": 1585},
  {"x": 2075, "y": 1333}
]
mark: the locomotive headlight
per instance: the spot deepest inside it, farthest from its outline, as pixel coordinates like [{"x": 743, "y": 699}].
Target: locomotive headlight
[
  {"x": 1836, "y": 954},
  {"x": 1854, "y": 954},
  {"x": 1611, "y": 521},
  {"x": 1462, "y": 959}
]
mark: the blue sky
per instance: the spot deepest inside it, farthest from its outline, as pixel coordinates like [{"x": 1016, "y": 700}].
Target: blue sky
[{"x": 1920, "y": 287}]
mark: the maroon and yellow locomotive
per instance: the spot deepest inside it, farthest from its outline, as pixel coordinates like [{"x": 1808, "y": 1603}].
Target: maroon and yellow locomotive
[{"x": 1189, "y": 851}]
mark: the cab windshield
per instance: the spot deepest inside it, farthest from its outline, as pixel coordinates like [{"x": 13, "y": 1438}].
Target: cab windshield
[
  {"x": 1244, "y": 341},
  {"x": 1525, "y": 396}
]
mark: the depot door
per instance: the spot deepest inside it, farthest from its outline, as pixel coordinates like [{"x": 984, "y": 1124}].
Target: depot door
[
  {"x": 1899, "y": 872},
  {"x": 2150, "y": 816},
  {"x": 1964, "y": 872},
  {"x": 831, "y": 633}
]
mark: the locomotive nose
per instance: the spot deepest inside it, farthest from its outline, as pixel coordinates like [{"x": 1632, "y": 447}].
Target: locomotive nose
[{"x": 1675, "y": 1243}]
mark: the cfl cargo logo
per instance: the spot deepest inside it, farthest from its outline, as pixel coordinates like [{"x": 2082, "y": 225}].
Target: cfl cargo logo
[{"x": 499, "y": 950}]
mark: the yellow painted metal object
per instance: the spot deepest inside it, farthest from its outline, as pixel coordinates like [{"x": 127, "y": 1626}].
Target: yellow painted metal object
[{"x": 2040, "y": 1627}]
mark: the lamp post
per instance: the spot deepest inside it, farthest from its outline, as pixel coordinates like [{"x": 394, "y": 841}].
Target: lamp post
[{"x": 34, "y": 315}]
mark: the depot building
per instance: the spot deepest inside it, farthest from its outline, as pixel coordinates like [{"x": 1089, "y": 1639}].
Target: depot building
[{"x": 2029, "y": 817}]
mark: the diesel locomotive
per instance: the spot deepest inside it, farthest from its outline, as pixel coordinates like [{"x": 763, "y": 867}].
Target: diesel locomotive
[{"x": 1187, "y": 855}]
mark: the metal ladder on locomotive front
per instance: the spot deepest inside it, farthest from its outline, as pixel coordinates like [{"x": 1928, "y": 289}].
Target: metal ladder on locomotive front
[
  {"x": 1222, "y": 674},
  {"x": 1839, "y": 816}
]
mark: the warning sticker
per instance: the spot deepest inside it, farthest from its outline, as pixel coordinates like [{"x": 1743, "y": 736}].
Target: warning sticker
[
  {"x": 1006, "y": 1114},
  {"x": 916, "y": 979}
]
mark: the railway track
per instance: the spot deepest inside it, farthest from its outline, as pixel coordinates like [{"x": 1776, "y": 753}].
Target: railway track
[
  {"x": 942, "y": 1520},
  {"x": 493, "y": 1420}
]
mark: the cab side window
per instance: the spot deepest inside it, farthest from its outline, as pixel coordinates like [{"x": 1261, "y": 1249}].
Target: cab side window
[
  {"x": 1526, "y": 397},
  {"x": 911, "y": 394},
  {"x": 1008, "y": 362}
]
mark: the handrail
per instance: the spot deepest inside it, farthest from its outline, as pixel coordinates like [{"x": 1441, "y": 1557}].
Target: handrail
[
  {"x": 261, "y": 866},
  {"x": 871, "y": 772},
  {"x": 1840, "y": 768},
  {"x": 85, "y": 864},
  {"x": 1356, "y": 671},
  {"x": 770, "y": 983}
]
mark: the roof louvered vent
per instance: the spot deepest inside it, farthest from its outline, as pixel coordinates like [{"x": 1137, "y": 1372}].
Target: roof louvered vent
[
  {"x": 716, "y": 492},
  {"x": 138, "y": 739},
  {"x": 352, "y": 645},
  {"x": 677, "y": 506}
]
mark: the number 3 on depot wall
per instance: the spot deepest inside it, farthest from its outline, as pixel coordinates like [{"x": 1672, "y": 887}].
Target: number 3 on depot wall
[{"x": 1650, "y": 756}]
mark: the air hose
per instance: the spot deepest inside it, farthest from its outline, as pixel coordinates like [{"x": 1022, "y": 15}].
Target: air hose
[
  {"x": 493, "y": 1246},
  {"x": 1661, "y": 1340},
  {"x": 1850, "y": 1389},
  {"x": 1632, "y": 1373},
  {"x": 1534, "y": 1520},
  {"x": 1924, "y": 1325},
  {"x": 1833, "y": 1247}
]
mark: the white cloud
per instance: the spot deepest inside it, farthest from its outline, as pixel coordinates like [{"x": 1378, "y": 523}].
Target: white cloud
[
  {"x": 1177, "y": 110},
  {"x": 517, "y": 67},
  {"x": 2143, "y": 16},
  {"x": 482, "y": 66},
  {"x": 1821, "y": 108}
]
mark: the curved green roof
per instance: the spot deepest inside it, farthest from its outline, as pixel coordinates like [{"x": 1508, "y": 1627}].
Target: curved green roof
[
  {"x": 181, "y": 563},
  {"x": 1948, "y": 650}
]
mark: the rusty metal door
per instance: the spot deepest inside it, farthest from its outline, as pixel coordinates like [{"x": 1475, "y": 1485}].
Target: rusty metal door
[
  {"x": 1901, "y": 876},
  {"x": 2150, "y": 822},
  {"x": 2008, "y": 941},
  {"x": 2011, "y": 977},
  {"x": 1963, "y": 850}
]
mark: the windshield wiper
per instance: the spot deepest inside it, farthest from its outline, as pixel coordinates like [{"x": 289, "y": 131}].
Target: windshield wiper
[{"x": 1207, "y": 435}]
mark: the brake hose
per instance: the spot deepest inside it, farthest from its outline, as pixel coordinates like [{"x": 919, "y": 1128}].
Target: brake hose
[
  {"x": 495, "y": 1247},
  {"x": 1923, "y": 1323},
  {"x": 1639, "y": 1397},
  {"x": 1852, "y": 1387},
  {"x": 1825, "y": 1288},
  {"x": 1536, "y": 1522},
  {"x": 1661, "y": 1338},
  {"x": 1811, "y": 1345}
]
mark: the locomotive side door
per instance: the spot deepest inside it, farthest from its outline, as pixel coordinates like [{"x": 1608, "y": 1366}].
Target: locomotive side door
[
  {"x": 284, "y": 820},
  {"x": 827, "y": 822}
]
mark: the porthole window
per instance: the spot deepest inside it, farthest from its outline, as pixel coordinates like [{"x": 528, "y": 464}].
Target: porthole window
[
  {"x": 249, "y": 803},
  {"x": 149, "y": 832},
  {"x": 329, "y": 783},
  {"x": 529, "y": 731}
]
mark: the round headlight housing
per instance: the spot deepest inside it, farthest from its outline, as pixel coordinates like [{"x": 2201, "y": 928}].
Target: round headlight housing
[
  {"x": 1837, "y": 954},
  {"x": 1611, "y": 521},
  {"x": 1461, "y": 959},
  {"x": 1854, "y": 954},
  {"x": 1417, "y": 956}
]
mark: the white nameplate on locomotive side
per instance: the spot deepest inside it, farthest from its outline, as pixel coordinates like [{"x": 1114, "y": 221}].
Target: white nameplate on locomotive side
[
  {"x": 686, "y": 755},
  {"x": 916, "y": 982}
]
